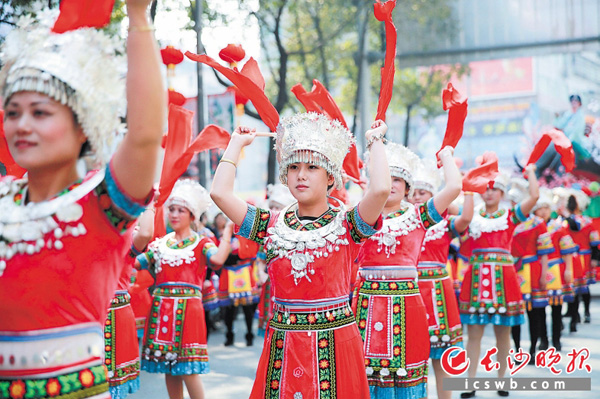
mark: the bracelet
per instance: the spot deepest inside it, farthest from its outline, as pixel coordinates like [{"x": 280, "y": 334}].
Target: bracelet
[
  {"x": 142, "y": 28},
  {"x": 228, "y": 161},
  {"x": 374, "y": 138},
  {"x": 468, "y": 193}
]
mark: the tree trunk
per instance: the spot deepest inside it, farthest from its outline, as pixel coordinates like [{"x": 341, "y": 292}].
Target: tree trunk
[{"x": 407, "y": 124}]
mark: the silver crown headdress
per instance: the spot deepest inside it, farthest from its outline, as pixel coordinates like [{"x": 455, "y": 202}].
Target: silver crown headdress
[
  {"x": 518, "y": 188},
  {"x": 190, "y": 194},
  {"x": 79, "y": 69},
  {"x": 501, "y": 181},
  {"x": 312, "y": 138},
  {"x": 403, "y": 163},
  {"x": 427, "y": 176},
  {"x": 546, "y": 199}
]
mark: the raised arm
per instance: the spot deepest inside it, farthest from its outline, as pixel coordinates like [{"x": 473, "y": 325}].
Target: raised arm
[
  {"x": 453, "y": 180},
  {"x": 380, "y": 184},
  {"x": 534, "y": 191},
  {"x": 462, "y": 221},
  {"x": 221, "y": 191},
  {"x": 145, "y": 230},
  {"x": 224, "y": 246},
  {"x": 134, "y": 162}
]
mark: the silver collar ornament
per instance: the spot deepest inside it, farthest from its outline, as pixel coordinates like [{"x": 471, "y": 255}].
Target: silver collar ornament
[
  {"x": 173, "y": 257},
  {"x": 27, "y": 229},
  {"x": 396, "y": 227},
  {"x": 304, "y": 247},
  {"x": 481, "y": 224},
  {"x": 435, "y": 233}
]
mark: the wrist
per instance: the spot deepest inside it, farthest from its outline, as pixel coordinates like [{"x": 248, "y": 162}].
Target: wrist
[{"x": 468, "y": 193}]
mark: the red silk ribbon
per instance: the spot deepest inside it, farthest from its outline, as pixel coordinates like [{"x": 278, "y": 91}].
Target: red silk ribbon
[
  {"x": 562, "y": 144},
  {"x": 75, "y": 14},
  {"x": 383, "y": 12},
  {"x": 457, "y": 105},
  {"x": 250, "y": 83},
  {"x": 478, "y": 178}
]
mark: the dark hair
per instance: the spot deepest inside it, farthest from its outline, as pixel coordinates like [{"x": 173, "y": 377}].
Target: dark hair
[
  {"x": 575, "y": 97},
  {"x": 571, "y": 203}
]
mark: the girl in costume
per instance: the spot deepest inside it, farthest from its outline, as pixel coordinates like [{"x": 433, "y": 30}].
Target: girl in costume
[
  {"x": 490, "y": 292},
  {"x": 397, "y": 351},
  {"x": 587, "y": 239},
  {"x": 560, "y": 266},
  {"x": 435, "y": 284},
  {"x": 312, "y": 348},
  {"x": 530, "y": 248},
  {"x": 175, "y": 338},
  {"x": 121, "y": 349},
  {"x": 238, "y": 287},
  {"x": 63, "y": 238}
]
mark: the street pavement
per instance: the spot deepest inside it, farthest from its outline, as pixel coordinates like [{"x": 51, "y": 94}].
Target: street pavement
[{"x": 233, "y": 368}]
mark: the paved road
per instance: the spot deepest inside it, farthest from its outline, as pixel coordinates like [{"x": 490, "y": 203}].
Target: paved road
[{"x": 233, "y": 368}]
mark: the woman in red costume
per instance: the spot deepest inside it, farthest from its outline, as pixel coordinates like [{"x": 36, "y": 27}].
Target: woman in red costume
[
  {"x": 587, "y": 239},
  {"x": 63, "y": 238},
  {"x": 560, "y": 266},
  {"x": 397, "y": 351},
  {"x": 312, "y": 348},
  {"x": 175, "y": 338},
  {"x": 530, "y": 248},
  {"x": 490, "y": 292},
  {"x": 435, "y": 284},
  {"x": 121, "y": 348}
]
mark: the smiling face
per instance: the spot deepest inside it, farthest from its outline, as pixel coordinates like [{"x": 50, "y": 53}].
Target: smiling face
[
  {"x": 307, "y": 182},
  {"x": 41, "y": 132},
  {"x": 397, "y": 193},
  {"x": 180, "y": 218}
]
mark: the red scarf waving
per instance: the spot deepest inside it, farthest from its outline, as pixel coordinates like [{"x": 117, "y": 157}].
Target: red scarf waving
[
  {"x": 562, "y": 144},
  {"x": 453, "y": 101},
  {"x": 75, "y": 14},
  {"x": 383, "y": 12}
]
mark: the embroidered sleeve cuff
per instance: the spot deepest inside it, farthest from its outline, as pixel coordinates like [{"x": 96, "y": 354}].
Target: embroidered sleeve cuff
[
  {"x": 452, "y": 227},
  {"x": 210, "y": 252},
  {"x": 254, "y": 226},
  {"x": 361, "y": 230},
  {"x": 143, "y": 260},
  {"x": 433, "y": 213},
  {"x": 127, "y": 205},
  {"x": 261, "y": 255},
  {"x": 545, "y": 251},
  {"x": 518, "y": 213},
  {"x": 568, "y": 251},
  {"x": 134, "y": 253}
]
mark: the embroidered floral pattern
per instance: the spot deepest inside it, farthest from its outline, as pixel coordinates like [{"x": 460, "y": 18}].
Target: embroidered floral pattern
[
  {"x": 79, "y": 384},
  {"x": 275, "y": 364},
  {"x": 326, "y": 364}
]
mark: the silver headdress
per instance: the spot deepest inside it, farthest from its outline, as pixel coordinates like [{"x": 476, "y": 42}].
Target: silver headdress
[
  {"x": 427, "y": 176},
  {"x": 546, "y": 199},
  {"x": 79, "y": 69},
  {"x": 403, "y": 163},
  {"x": 518, "y": 188},
  {"x": 501, "y": 181},
  {"x": 312, "y": 138},
  {"x": 191, "y": 195}
]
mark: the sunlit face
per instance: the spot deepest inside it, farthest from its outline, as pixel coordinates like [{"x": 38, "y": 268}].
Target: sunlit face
[
  {"x": 543, "y": 212},
  {"x": 180, "y": 218},
  {"x": 41, "y": 132},
  {"x": 397, "y": 193},
  {"x": 492, "y": 196},
  {"x": 420, "y": 196},
  {"x": 307, "y": 182}
]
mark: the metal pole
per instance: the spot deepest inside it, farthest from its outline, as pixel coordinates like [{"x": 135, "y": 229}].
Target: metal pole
[{"x": 202, "y": 157}]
